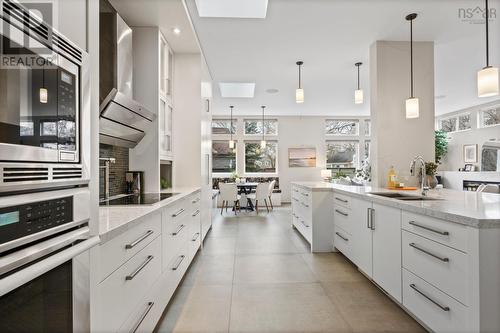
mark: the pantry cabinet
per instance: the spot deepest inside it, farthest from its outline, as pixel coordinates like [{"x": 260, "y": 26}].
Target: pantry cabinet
[{"x": 362, "y": 239}]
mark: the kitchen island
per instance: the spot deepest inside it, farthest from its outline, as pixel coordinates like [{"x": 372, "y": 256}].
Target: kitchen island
[{"x": 437, "y": 257}]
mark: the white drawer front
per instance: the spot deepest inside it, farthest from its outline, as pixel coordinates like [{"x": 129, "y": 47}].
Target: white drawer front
[
  {"x": 142, "y": 319},
  {"x": 122, "y": 290},
  {"x": 437, "y": 310},
  {"x": 303, "y": 227},
  {"x": 305, "y": 195},
  {"x": 118, "y": 250},
  {"x": 442, "y": 266},
  {"x": 176, "y": 211},
  {"x": 447, "y": 233},
  {"x": 174, "y": 237},
  {"x": 343, "y": 242},
  {"x": 341, "y": 218},
  {"x": 342, "y": 200}
]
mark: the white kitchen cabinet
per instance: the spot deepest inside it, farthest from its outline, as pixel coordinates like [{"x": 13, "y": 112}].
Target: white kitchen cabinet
[
  {"x": 166, "y": 111},
  {"x": 362, "y": 238},
  {"x": 166, "y": 68},
  {"x": 386, "y": 226}
]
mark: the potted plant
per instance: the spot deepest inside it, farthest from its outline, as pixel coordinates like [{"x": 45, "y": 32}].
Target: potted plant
[
  {"x": 430, "y": 172},
  {"x": 440, "y": 145}
]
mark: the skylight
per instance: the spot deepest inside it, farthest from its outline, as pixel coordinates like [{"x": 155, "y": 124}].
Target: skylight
[
  {"x": 237, "y": 90},
  {"x": 232, "y": 8}
]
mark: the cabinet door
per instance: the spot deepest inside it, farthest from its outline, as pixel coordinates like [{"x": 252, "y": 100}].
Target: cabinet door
[
  {"x": 387, "y": 249},
  {"x": 361, "y": 235},
  {"x": 165, "y": 128}
]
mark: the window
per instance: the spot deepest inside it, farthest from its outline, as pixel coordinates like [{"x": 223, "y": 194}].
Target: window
[
  {"x": 48, "y": 128},
  {"x": 223, "y": 157},
  {"x": 259, "y": 160},
  {"x": 464, "y": 122},
  {"x": 490, "y": 117},
  {"x": 342, "y": 127},
  {"x": 459, "y": 122},
  {"x": 366, "y": 153},
  {"x": 368, "y": 127},
  {"x": 223, "y": 126},
  {"x": 342, "y": 154},
  {"x": 26, "y": 128},
  {"x": 254, "y": 127}
]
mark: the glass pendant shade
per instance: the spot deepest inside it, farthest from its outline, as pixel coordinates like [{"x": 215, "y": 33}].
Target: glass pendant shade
[
  {"x": 231, "y": 144},
  {"x": 412, "y": 108},
  {"x": 358, "y": 96},
  {"x": 44, "y": 95},
  {"x": 262, "y": 144},
  {"x": 299, "y": 95},
  {"x": 487, "y": 82}
]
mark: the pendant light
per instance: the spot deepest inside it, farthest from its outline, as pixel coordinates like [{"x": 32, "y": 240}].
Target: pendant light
[
  {"x": 299, "y": 92},
  {"x": 231, "y": 141},
  {"x": 358, "y": 93},
  {"x": 263, "y": 141},
  {"x": 43, "y": 92},
  {"x": 487, "y": 78},
  {"x": 412, "y": 107}
]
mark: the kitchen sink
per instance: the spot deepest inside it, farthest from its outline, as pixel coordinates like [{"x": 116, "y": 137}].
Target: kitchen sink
[{"x": 401, "y": 196}]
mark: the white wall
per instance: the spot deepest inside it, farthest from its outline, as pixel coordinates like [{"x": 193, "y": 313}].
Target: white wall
[{"x": 454, "y": 158}]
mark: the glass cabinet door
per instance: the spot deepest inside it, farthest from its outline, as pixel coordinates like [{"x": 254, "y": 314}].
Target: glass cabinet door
[{"x": 165, "y": 128}]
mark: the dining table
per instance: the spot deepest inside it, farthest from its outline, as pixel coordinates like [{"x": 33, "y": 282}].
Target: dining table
[{"x": 243, "y": 190}]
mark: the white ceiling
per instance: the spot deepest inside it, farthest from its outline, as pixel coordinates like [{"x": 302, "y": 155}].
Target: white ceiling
[
  {"x": 330, "y": 36},
  {"x": 165, "y": 14}
]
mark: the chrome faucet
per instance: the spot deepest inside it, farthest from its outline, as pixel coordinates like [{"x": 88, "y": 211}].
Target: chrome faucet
[
  {"x": 413, "y": 163},
  {"x": 107, "y": 162}
]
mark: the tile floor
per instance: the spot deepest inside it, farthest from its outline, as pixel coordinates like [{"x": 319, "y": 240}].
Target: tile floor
[{"x": 256, "y": 274}]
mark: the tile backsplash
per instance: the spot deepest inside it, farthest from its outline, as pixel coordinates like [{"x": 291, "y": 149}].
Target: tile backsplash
[{"x": 116, "y": 171}]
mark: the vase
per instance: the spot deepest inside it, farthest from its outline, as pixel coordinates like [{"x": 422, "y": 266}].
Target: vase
[{"x": 431, "y": 181}]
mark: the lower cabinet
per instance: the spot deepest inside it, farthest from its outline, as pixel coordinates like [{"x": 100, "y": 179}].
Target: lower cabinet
[{"x": 362, "y": 240}]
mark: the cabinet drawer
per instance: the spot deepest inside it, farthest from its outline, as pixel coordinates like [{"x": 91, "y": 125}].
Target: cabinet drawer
[
  {"x": 175, "y": 212},
  {"x": 442, "y": 266},
  {"x": 178, "y": 264},
  {"x": 342, "y": 200},
  {"x": 305, "y": 196},
  {"x": 120, "y": 249},
  {"x": 343, "y": 242},
  {"x": 303, "y": 227},
  {"x": 121, "y": 292},
  {"x": 174, "y": 237},
  {"x": 447, "y": 233},
  {"x": 342, "y": 218},
  {"x": 438, "y": 311},
  {"x": 142, "y": 319}
]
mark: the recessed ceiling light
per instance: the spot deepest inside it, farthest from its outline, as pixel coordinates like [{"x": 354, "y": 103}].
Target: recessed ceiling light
[
  {"x": 176, "y": 31},
  {"x": 272, "y": 91},
  {"x": 237, "y": 90},
  {"x": 232, "y": 8}
]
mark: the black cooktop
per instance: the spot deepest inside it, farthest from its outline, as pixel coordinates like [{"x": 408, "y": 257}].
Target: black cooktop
[{"x": 137, "y": 199}]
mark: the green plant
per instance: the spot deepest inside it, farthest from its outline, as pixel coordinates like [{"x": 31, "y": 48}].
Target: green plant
[
  {"x": 440, "y": 145},
  {"x": 234, "y": 175},
  {"x": 164, "y": 184},
  {"x": 338, "y": 175},
  {"x": 430, "y": 168}
]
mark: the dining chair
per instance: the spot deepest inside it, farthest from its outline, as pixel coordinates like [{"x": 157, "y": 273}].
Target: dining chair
[
  {"x": 488, "y": 188},
  {"x": 261, "y": 194},
  {"x": 229, "y": 193},
  {"x": 271, "y": 189}
]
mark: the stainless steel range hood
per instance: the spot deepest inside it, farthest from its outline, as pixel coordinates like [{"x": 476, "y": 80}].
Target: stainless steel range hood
[{"x": 123, "y": 121}]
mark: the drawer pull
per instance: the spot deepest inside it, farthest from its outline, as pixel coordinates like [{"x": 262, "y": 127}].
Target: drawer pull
[
  {"x": 179, "y": 212},
  {"x": 196, "y": 213},
  {"x": 143, "y": 316},
  {"x": 195, "y": 201},
  {"x": 372, "y": 218},
  {"x": 178, "y": 230},
  {"x": 341, "y": 200},
  {"x": 295, "y": 199},
  {"x": 304, "y": 223},
  {"x": 344, "y": 238},
  {"x": 428, "y": 252},
  {"x": 305, "y": 205},
  {"x": 140, "y": 239},
  {"x": 368, "y": 218},
  {"x": 134, "y": 273},
  {"x": 180, "y": 259},
  {"x": 341, "y": 212},
  {"x": 195, "y": 237},
  {"x": 295, "y": 190},
  {"x": 441, "y": 232},
  {"x": 442, "y": 307},
  {"x": 305, "y": 194}
]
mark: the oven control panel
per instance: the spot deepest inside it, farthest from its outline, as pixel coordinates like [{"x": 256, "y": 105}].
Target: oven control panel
[{"x": 27, "y": 219}]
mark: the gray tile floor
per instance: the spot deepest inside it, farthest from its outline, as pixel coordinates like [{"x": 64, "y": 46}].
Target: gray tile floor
[{"x": 255, "y": 274}]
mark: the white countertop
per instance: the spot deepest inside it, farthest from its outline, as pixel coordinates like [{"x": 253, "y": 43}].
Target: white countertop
[
  {"x": 479, "y": 210},
  {"x": 114, "y": 220}
]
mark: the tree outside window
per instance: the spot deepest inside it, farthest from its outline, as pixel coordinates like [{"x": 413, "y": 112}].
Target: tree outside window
[
  {"x": 223, "y": 157},
  {"x": 223, "y": 126},
  {"x": 342, "y": 154},
  {"x": 491, "y": 116},
  {"x": 258, "y": 160},
  {"x": 254, "y": 127},
  {"x": 342, "y": 127}
]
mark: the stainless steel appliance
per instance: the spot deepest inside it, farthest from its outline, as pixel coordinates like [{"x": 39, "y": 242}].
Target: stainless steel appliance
[
  {"x": 44, "y": 261},
  {"x": 44, "y": 88},
  {"x": 135, "y": 182},
  {"x": 136, "y": 199}
]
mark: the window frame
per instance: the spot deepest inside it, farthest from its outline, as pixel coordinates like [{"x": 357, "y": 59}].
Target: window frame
[
  {"x": 264, "y": 174},
  {"x": 357, "y": 162},
  {"x": 235, "y": 125},
  {"x": 225, "y": 174},
  {"x": 456, "y": 117},
  {"x": 331, "y": 135},
  {"x": 481, "y": 116},
  {"x": 260, "y": 134}
]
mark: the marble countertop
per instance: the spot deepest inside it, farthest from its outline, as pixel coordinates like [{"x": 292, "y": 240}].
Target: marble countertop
[
  {"x": 478, "y": 210},
  {"x": 115, "y": 220}
]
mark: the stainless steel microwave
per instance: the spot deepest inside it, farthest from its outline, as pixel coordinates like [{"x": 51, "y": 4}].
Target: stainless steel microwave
[{"x": 42, "y": 97}]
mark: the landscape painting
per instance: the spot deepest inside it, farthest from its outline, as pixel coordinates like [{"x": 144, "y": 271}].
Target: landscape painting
[{"x": 302, "y": 157}]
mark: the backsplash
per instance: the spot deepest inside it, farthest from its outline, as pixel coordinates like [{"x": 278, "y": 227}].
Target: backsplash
[{"x": 116, "y": 171}]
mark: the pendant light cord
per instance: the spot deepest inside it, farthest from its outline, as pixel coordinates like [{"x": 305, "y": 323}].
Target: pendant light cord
[
  {"x": 487, "y": 44},
  {"x": 231, "y": 126},
  {"x": 300, "y": 78},
  {"x": 411, "y": 58},
  {"x": 358, "y": 77},
  {"x": 263, "y": 127}
]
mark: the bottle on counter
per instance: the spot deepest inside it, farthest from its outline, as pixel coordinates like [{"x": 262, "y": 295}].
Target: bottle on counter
[{"x": 391, "y": 177}]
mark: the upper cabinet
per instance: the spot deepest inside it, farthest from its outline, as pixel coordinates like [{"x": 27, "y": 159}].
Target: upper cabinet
[
  {"x": 166, "y": 68},
  {"x": 165, "y": 138}
]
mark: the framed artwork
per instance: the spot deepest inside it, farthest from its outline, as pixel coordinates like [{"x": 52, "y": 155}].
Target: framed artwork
[
  {"x": 470, "y": 153},
  {"x": 469, "y": 167},
  {"x": 302, "y": 157}
]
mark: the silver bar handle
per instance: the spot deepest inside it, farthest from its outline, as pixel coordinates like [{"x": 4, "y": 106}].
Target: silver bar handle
[
  {"x": 179, "y": 212},
  {"x": 139, "y": 269},
  {"x": 195, "y": 213},
  {"x": 176, "y": 266},
  {"x": 305, "y": 205},
  {"x": 143, "y": 316},
  {"x": 415, "y": 246},
  {"x": 304, "y": 223},
  {"x": 138, "y": 240},
  {"x": 441, "y": 232},
  {"x": 344, "y": 238},
  {"x": 295, "y": 190},
  {"x": 196, "y": 235},
  {"x": 368, "y": 218},
  {"x": 442, "y": 307},
  {"x": 295, "y": 199},
  {"x": 305, "y": 194},
  {"x": 372, "y": 218},
  {"x": 175, "y": 233},
  {"x": 195, "y": 201},
  {"x": 341, "y": 200},
  {"x": 341, "y": 212}
]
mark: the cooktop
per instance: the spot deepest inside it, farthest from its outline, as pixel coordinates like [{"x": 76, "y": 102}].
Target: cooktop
[{"x": 137, "y": 199}]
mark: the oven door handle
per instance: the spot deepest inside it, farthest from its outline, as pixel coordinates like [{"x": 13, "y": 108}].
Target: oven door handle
[{"x": 30, "y": 254}]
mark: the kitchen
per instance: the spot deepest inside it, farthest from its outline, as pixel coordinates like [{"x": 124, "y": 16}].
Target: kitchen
[{"x": 173, "y": 166}]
